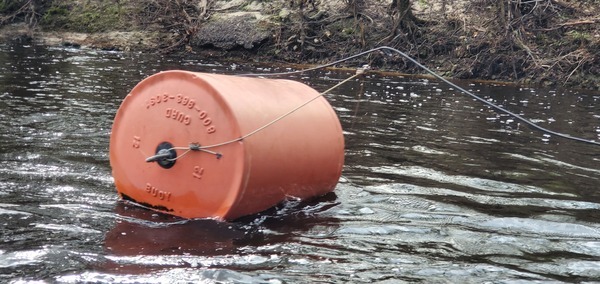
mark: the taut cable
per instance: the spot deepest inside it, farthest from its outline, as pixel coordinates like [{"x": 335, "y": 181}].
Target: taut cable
[{"x": 197, "y": 147}]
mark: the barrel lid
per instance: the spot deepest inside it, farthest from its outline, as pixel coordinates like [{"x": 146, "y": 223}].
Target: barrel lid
[{"x": 164, "y": 115}]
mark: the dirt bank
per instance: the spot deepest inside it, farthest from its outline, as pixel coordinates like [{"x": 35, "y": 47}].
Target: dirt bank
[{"x": 548, "y": 42}]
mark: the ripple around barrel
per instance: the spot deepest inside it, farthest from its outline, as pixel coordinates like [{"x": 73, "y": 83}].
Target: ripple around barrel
[{"x": 436, "y": 188}]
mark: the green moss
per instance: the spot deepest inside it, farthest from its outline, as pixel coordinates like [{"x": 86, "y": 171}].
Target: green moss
[
  {"x": 579, "y": 36},
  {"x": 343, "y": 29},
  {"x": 55, "y": 16},
  {"x": 91, "y": 17},
  {"x": 9, "y": 6}
]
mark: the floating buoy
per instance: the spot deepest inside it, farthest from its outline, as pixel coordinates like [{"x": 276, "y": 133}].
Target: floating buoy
[{"x": 199, "y": 145}]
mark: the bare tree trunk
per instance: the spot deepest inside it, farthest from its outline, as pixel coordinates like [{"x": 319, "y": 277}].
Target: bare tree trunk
[
  {"x": 402, "y": 8},
  {"x": 403, "y": 18},
  {"x": 24, "y": 10},
  {"x": 356, "y": 7}
]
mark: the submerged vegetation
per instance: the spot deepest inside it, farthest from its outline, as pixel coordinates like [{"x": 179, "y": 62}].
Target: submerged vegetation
[{"x": 553, "y": 42}]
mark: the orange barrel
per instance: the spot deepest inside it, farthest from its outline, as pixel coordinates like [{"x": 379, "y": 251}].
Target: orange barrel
[{"x": 300, "y": 156}]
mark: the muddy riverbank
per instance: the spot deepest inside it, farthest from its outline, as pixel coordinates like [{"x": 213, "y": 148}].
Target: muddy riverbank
[{"x": 547, "y": 42}]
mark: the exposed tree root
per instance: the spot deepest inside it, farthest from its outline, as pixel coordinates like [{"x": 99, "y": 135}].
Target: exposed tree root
[{"x": 554, "y": 42}]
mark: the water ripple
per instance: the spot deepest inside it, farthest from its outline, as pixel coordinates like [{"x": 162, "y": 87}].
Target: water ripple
[{"x": 436, "y": 189}]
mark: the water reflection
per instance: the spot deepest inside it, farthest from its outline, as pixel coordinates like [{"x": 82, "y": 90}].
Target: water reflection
[
  {"x": 143, "y": 241},
  {"x": 143, "y": 232}
]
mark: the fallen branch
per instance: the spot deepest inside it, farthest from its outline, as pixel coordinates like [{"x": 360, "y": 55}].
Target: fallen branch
[
  {"x": 572, "y": 23},
  {"x": 521, "y": 44},
  {"x": 582, "y": 22},
  {"x": 28, "y": 5},
  {"x": 575, "y": 69}
]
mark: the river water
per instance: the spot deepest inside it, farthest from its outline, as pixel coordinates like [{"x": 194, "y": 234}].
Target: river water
[{"x": 437, "y": 188}]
